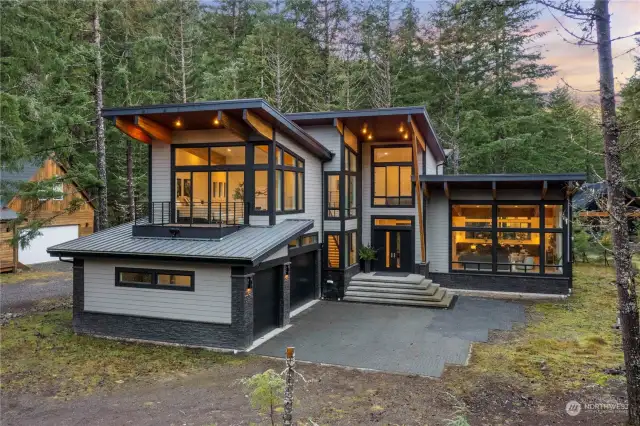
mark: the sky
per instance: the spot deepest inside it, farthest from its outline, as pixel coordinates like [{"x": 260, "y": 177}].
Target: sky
[{"x": 578, "y": 65}]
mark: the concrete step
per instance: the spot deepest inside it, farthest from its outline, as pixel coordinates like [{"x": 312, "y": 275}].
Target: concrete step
[
  {"x": 436, "y": 297},
  {"x": 428, "y": 290},
  {"x": 444, "y": 303},
  {"x": 424, "y": 284},
  {"x": 372, "y": 277}
]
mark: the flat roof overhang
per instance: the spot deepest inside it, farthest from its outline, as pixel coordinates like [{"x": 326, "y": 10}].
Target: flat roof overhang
[
  {"x": 501, "y": 181},
  {"x": 200, "y": 115},
  {"x": 383, "y": 122}
]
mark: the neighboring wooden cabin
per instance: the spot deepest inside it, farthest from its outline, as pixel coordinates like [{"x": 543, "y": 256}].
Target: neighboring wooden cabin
[{"x": 62, "y": 227}]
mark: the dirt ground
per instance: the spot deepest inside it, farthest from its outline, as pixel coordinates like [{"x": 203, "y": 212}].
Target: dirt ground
[{"x": 329, "y": 395}]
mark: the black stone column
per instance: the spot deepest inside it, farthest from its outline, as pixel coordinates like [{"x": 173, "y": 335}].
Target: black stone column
[
  {"x": 242, "y": 308},
  {"x": 318, "y": 291},
  {"x": 285, "y": 294}
]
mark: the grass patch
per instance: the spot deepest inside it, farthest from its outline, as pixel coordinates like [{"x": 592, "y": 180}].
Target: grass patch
[
  {"x": 565, "y": 344},
  {"x": 18, "y": 277},
  {"x": 41, "y": 354}
]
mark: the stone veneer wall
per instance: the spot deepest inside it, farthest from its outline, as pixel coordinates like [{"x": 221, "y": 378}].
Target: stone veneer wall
[{"x": 508, "y": 283}]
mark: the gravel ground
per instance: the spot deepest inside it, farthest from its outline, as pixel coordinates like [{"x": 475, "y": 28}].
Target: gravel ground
[{"x": 20, "y": 297}]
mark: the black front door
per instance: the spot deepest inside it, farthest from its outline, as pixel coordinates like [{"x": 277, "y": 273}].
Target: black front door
[{"x": 394, "y": 250}]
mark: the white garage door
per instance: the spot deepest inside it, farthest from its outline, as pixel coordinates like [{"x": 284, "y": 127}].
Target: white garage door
[{"x": 36, "y": 252}]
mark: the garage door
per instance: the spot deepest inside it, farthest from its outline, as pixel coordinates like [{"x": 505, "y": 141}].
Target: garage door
[
  {"x": 265, "y": 302},
  {"x": 303, "y": 279},
  {"x": 36, "y": 252}
]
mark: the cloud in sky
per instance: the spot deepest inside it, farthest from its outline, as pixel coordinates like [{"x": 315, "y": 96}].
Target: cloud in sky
[{"x": 578, "y": 65}]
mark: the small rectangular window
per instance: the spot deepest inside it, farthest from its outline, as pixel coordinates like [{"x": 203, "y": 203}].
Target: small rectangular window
[
  {"x": 289, "y": 160},
  {"x": 310, "y": 239},
  {"x": 352, "y": 255},
  {"x": 290, "y": 202},
  {"x": 192, "y": 156},
  {"x": 260, "y": 193},
  {"x": 279, "y": 156},
  {"x": 227, "y": 155},
  {"x": 261, "y": 154},
  {"x": 392, "y": 155},
  {"x": 553, "y": 216},
  {"x": 155, "y": 279},
  {"x": 279, "y": 190},
  {"x": 300, "y": 191}
]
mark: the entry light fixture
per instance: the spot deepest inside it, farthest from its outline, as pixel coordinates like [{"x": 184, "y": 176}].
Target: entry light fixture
[
  {"x": 406, "y": 135},
  {"x": 370, "y": 137},
  {"x": 365, "y": 129},
  {"x": 178, "y": 123},
  {"x": 216, "y": 122},
  {"x": 401, "y": 129}
]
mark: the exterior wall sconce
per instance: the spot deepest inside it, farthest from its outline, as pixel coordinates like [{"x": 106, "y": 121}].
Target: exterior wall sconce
[
  {"x": 216, "y": 122},
  {"x": 249, "y": 289},
  {"x": 287, "y": 271}
]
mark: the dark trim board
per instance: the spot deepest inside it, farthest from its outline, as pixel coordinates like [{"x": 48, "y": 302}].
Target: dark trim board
[{"x": 506, "y": 283}]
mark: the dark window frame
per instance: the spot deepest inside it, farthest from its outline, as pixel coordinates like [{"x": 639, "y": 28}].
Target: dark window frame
[
  {"x": 350, "y": 212},
  {"x": 326, "y": 196},
  {"x": 348, "y": 246},
  {"x": 375, "y": 164},
  {"x": 495, "y": 229},
  {"x": 154, "y": 278},
  {"x": 281, "y": 168},
  {"x": 328, "y": 234}
]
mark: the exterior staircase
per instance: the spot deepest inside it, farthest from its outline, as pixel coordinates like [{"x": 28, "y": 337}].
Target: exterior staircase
[{"x": 412, "y": 290}]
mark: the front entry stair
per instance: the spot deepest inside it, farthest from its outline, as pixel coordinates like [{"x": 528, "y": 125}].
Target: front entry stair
[{"x": 412, "y": 290}]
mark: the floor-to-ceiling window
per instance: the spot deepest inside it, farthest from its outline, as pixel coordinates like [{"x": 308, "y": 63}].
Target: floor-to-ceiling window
[
  {"x": 520, "y": 238},
  {"x": 209, "y": 184}
]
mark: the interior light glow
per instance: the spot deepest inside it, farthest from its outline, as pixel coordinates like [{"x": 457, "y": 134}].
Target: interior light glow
[{"x": 178, "y": 122}]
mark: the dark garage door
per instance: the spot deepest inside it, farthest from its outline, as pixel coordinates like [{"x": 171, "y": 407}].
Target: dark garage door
[
  {"x": 265, "y": 302},
  {"x": 303, "y": 278}
]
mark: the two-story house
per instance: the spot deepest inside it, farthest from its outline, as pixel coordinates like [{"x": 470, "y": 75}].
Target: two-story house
[{"x": 254, "y": 213}]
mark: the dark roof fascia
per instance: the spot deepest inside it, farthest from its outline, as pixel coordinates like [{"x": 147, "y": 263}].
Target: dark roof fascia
[
  {"x": 355, "y": 113},
  {"x": 278, "y": 246},
  {"x": 82, "y": 254},
  {"x": 375, "y": 112},
  {"x": 313, "y": 145},
  {"x": 560, "y": 177}
]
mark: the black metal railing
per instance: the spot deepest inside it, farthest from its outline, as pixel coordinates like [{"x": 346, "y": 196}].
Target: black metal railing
[{"x": 166, "y": 213}]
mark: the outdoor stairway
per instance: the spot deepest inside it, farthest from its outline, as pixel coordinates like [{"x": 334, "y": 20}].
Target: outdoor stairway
[{"x": 412, "y": 290}]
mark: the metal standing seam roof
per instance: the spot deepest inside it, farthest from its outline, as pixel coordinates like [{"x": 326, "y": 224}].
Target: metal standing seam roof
[{"x": 248, "y": 245}]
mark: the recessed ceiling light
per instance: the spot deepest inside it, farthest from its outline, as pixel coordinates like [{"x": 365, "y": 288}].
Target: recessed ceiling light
[{"x": 178, "y": 123}]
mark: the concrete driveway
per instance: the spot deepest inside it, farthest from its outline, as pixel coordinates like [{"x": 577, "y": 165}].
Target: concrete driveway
[{"x": 393, "y": 338}]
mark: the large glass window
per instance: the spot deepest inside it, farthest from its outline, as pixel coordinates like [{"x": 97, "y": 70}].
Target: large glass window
[
  {"x": 333, "y": 251},
  {"x": 289, "y": 181},
  {"x": 227, "y": 155},
  {"x": 333, "y": 196},
  {"x": 260, "y": 194},
  {"x": 261, "y": 154},
  {"x": 351, "y": 190},
  {"x": 351, "y": 253},
  {"x": 506, "y": 238},
  {"x": 392, "y": 171}
]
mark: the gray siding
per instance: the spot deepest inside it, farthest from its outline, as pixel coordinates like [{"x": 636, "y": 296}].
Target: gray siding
[
  {"x": 330, "y": 138},
  {"x": 430, "y": 163},
  {"x": 282, "y": 252},
  {"x": 210, "y": 302},
  {"x": 368, "y": 211},
  {"x": 437, "y": 233},
  {"x": 312, "y": 185},
  {"x": 350, "y": 224}
]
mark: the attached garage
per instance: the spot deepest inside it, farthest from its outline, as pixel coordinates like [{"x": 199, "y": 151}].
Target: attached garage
[
  {"x": 36, "y": 251},
  {"x": 303, "y": 279},
  {"x": 266, "y": 288}
]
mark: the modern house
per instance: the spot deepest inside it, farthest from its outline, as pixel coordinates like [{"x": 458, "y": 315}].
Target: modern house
[
  {"x": 62, "y": 223},
  {"x": 253, "y": 213}
]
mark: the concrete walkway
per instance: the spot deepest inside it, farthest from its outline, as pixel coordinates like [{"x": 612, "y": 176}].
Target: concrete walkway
[{"x": 393, "y": 338}]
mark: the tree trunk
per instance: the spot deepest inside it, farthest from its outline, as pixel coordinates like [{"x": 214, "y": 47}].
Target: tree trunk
[
  {"x": 627, "y": 298},
  {"x": 102, "y": 218},
  {"x": 183, "y": 71},
  {"x": 287, "y": 415}
]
